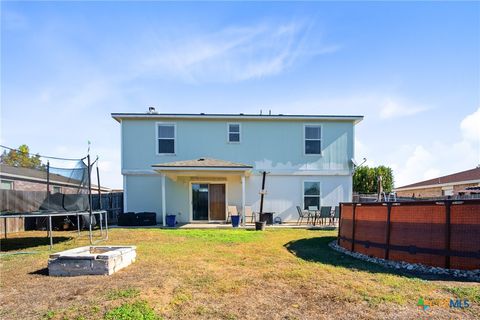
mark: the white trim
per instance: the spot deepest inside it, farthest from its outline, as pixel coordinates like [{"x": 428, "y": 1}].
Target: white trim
[
  {"x": 306, "y": 172},
  {"x": 157, "y": 124},
  {"x": 125, "y": 194},
  {"x": 353, "y": 151},
  {"x": 139, "y": 172},
  {"x": 319, "y": 196},
  {"x": 242, "y": 169},
  {"x": 305, "y": 125},
  {"x": 272, "y": 172},
  {"x": 355, "y": 118},
  {"x": 437, "y": 185},
  {"x": 8, "y": 180},
  {"x": 239, "y": 132},
  {"x": 164, "y": 204},
  {"x": 190, "y": 199},
  {"x": 121, "y": 145},
  {"x": 242, "y": 181}
]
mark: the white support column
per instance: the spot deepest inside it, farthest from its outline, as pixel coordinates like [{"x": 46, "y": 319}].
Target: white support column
[
  {"x": 125, "y": 194},
  {"x": 243, "y": 200},
  {"x": 164, "y": 205}
]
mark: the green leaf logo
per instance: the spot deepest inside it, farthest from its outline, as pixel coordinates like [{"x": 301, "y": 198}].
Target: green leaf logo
[{"x": 420, "y": 302}]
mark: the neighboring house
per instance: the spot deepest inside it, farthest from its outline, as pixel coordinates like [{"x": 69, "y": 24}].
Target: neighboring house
[
  {"x": 195, "y": 165},
  {"x": 459, "y": 183},
  {"x": 26, "y": 179}
]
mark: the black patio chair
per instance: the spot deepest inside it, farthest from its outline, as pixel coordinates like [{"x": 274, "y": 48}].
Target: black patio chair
[
  {"x": 336, "y": 214},
  {"x": 324, "y": 213},
  {"x": 302, "y": 214}
]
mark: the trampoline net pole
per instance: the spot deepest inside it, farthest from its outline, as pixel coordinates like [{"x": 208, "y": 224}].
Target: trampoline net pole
[
  {"x": 99, "y": 198},
  {"x": 89, "y": 198}
]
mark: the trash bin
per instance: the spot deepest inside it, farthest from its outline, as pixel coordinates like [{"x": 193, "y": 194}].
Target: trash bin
[
  {"x": 235, "y": 221},
  {"x": 171, "y": 220},
  {"x": 267, "y": 217}
]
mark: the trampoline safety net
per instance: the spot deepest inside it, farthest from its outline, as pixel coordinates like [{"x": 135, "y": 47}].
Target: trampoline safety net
[{"x": 33, "y": 183}]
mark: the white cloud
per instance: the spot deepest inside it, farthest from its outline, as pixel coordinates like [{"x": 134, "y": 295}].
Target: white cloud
[
  {"x": 439, "y": 158},
  {"x": 374, "y": 105},
  {"x": 395, "y": 108},
  {"x": 471, "y": 127},
  {"x": 231, "y": 54}
]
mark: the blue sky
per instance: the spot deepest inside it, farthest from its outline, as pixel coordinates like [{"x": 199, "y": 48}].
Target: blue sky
[{"x": 413, "y": 70}]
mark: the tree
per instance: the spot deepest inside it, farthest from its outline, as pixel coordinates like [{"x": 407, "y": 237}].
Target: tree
[
  {"x": 365, "y": 179},
  {"x": 21, "y": 158}
]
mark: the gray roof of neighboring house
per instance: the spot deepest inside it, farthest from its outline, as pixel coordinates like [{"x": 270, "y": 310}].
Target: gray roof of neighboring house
[
  {"x": 203, "y": 163},
  {"x": 20, "y": 173},
  {"x": 31, "y": 173},
  {"x": 463, "y": 176},
  {"x": 147, "y": 115}
]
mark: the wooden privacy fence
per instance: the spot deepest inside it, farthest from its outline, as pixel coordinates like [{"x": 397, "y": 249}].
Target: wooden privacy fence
[{"x": 436, "y": 233}]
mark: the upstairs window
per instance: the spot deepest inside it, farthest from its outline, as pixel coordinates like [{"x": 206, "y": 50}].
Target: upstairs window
[
  {"x": 313, "y": 139},
  {"x": 57, "y": 189},
  {"x": 166, "y": 138},
  {"x": 234, "y": 132}
]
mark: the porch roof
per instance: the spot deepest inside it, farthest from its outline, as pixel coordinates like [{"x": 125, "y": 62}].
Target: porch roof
[{"x": 206, "y": 164}]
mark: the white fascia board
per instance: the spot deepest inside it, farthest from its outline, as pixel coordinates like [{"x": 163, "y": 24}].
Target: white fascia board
[
  {"x": 179, "y": 169},
  {"x": 134, "y": 172},
  {"x": 307, "y": 172},
  {"x": 145, "y": 116},
  {"x": 157, "y": 171}
]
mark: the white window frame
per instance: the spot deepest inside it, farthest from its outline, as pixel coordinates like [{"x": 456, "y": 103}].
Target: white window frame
[
  {"x": 157, "y": 124},
  {"x": 305, "y": 125},
  {"x": 319, "y": 196},
  {"x": 59, "y": 188},
  {"x": 239, "y": 132},
  {"x": 8, "y": 180}
]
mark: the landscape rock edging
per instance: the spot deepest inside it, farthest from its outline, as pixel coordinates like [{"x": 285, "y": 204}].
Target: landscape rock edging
[{"x": 410, "y": 267}]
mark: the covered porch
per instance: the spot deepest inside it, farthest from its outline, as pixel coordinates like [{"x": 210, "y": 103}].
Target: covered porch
[{"x": 200, "y": 190}]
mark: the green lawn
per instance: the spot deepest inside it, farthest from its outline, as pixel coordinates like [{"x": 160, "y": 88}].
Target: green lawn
[{"x": 222, "y": 274}]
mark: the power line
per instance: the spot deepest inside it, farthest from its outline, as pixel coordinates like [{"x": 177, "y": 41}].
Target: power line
[{"x": 48, "y": 157}]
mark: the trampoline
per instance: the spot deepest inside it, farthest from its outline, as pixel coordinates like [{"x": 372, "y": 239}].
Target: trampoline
[
  {"x": 50, "y": 215},
  {"x": 74, "y": 175}
]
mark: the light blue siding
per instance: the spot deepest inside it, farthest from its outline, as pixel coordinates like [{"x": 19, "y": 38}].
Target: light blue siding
[
  {"x": 273, "y": 145},
  {"x": 143, "y": 193}
]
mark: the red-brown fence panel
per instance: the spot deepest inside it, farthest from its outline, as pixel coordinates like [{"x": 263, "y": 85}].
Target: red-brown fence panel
[
  {"x": 465, "y": 234},
  {"x": 370, "y": 229},
  {"x": 443, "y": 233},
  {"x": 416, "y": 228},
  {"x": 346, "y": 225}
]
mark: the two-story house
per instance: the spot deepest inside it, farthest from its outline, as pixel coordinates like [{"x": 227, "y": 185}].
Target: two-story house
[{"x": 195, "y": 165}]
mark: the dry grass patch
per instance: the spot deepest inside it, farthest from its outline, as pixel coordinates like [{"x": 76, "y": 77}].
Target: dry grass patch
[{"x": 223, "y": 274}]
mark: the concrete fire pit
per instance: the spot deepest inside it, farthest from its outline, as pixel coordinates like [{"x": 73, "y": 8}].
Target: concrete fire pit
[{"x": 91, "y": 260}]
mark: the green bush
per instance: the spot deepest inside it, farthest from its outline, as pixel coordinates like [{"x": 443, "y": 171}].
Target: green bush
[{"x": 365, "y": 179}]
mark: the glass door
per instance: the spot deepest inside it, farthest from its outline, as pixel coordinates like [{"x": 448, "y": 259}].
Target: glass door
[{"x": 200, "y": 201}]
